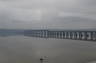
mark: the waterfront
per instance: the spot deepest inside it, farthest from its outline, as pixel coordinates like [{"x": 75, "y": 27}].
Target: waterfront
[{"x": 22, "y": 49}]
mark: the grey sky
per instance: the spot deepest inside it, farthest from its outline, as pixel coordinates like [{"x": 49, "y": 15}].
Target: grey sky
[{"x": 62, "y": 14}]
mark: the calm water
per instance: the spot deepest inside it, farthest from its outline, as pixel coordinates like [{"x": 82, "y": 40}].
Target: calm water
[{"x": 22, "y": 49}]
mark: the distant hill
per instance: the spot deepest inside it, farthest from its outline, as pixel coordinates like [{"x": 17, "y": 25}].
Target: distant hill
[{"x": 8, "y": 32}]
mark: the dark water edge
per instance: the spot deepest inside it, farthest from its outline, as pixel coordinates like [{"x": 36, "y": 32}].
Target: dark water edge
[{"x": 23, "y": 49}]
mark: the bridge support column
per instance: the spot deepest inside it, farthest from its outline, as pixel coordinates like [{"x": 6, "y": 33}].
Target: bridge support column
[
  {"x": 68, "y": 35},
  {"x": 94, "y": 35},
  {"x": 80, "y": 35},
  {"x": 62, "y": 35},
  {"x": 45, "y": 34},
  {"x": 59, "y": 34},
  {"x": 40, "y": 33},
  {"x": 73, "y": 35},
  {"x": 65, "y": 35},
  {"x": 77, "y": 35},
  {"x": 55, "y": 34},
  {"x": 89, "y": 35},
  {"x": 84, "y": 35}
]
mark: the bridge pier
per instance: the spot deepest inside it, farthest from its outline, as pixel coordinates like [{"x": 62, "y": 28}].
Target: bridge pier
[
  {"x": 84, "y": 36},
  {"x": 58, "y": 34},
  {"x": 69, "y": 35},
  {"x": 89, "y": 36},
  {"x": 55, "y": 34},
  {"x": 65, "y": 35},
  {"x": 73, "y": 35},
  {"x": 94, "y": 35},
  {"x": 62, "y": 34},
  {"x": 78, "y": 37}
]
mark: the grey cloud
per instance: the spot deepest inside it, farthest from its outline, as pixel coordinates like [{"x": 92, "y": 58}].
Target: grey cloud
[
  {"x": 6, "y": 0},
  {"x": 71, "y": 23},
  {"x": 88, "y": 2},
  {"x": 49, "y": 13}
]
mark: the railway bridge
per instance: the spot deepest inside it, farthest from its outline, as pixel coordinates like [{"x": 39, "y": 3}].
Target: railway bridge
[{"x": 63, "y": 34}]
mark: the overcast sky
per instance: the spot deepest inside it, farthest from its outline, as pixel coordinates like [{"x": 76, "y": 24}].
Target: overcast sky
[{"x": 58, "y": 14}]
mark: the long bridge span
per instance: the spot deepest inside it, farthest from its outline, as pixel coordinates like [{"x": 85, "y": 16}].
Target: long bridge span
[{"x": 63, "y": 34}]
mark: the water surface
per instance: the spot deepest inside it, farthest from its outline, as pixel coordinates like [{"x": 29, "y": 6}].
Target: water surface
[{"x": 23, "y": 49}]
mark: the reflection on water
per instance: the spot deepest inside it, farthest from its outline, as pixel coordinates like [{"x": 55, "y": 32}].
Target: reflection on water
[{"x": 21, "y": 49}]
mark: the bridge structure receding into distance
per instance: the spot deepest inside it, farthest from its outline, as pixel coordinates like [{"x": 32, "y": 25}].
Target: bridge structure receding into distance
[{"x": 63, "y": 34}]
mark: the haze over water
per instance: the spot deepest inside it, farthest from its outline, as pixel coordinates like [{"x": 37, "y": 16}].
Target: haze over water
[{"x": 23, "y": 49}]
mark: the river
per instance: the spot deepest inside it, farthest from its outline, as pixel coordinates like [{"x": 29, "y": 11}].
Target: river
[{"x": 23, "y": 49}]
